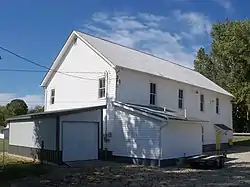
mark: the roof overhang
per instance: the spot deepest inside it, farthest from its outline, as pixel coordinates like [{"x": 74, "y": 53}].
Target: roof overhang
[
  {"x": 222, "y": 127},
  {"x": 63, "y": 53},
  {"x": 54, "y": 113}
]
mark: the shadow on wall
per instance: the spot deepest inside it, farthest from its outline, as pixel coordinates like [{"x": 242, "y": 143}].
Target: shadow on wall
[
  {"x": 45, "y": 140},
  {"x": 135, "y": 136}
]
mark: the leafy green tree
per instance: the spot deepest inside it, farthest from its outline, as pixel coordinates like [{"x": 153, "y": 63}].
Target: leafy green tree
[
  {"x": 3, "y": 115},
  {"x": 228, "y": 65},
  {"x": 37, "y": 109},
  {"x": 17, "y": 107}
]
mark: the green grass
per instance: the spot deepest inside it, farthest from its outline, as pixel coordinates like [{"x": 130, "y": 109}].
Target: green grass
[
  {"x": 4, "y": 145},
  {"x": 14, "y": 168},
  {"x": 241, "y": 140}
]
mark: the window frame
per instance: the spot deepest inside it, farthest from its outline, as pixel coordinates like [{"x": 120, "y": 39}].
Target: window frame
[
  {"x": 52, "y": 96},
  {"x": 217, "y": 105},
  {"x": 152, "y": 94},
  {"x": 102, "y": 90},
  {"x": 202, "y": 103},
  {"x": 180, "y": 99}
]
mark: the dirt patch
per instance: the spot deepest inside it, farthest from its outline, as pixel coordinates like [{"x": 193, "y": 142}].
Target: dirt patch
[{"x": 236, "y": 173}]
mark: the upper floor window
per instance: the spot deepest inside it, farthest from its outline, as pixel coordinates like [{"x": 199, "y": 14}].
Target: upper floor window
[
  {"x": 180, "y": 99},
  {"x": 52, "y": 96},
  {"x": 217, "y": 106},
  {"x": 101, "y": 88},
  {"x": 202, "y": 102},
  {"x": 152, "y": 96}
]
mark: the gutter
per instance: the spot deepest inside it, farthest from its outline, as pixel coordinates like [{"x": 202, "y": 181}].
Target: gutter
[{"x": 165, "y": 123}]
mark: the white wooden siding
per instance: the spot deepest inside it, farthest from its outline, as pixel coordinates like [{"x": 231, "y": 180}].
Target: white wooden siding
[
  {"x": 74, "y": 92},
  {"x": 31, "y": 133},
  {"x": 179, "y": 139},
  {"x": 135, "y": 135},
  {"x": 89, "y": 116},
  {"x": 134, "y": 88}
]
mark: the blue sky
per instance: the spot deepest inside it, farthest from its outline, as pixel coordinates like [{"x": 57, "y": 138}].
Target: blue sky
[{"x": 172, "y": 29}]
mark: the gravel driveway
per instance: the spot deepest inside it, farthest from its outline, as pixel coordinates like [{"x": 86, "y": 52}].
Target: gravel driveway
[{"x": 236, "y": 173}]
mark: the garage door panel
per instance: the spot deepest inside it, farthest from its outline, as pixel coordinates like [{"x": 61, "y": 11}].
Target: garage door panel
[{"x": 79, "y": 141}]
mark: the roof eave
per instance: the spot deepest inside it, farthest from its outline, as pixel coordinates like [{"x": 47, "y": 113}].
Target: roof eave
[{"x": 55, "y": 63}]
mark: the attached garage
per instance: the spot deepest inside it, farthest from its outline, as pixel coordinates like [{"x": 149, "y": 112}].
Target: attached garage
[{"x": 58, "y": 136}]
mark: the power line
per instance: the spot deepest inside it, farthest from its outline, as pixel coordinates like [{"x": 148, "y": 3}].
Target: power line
[
  {"x": 42, "y": 66},
  {"x": 37, "y": 71}
]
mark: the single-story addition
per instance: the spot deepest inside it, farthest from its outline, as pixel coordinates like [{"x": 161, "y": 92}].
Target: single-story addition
[
  {"x": 57, "y": 136},
  {"x": 142, "y": 135}
]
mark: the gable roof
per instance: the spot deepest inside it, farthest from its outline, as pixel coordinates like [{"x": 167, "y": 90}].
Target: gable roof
[{"x": 125, "y": 57}]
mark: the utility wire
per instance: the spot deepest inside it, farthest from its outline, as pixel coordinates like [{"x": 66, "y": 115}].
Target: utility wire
[
  {"x": 37, "y": 71},
  {"x": 42, "y": 66}
]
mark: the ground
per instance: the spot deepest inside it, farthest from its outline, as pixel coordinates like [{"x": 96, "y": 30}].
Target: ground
[{"x": 97, "y": 173}]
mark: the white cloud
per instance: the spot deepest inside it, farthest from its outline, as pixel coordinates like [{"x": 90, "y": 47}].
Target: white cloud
[
  {"x": 163, "y": 36},
  {"x": 31, "y": 100},
  {"x": 227, "y": 4},
  {"x": 199, "y": 23}
]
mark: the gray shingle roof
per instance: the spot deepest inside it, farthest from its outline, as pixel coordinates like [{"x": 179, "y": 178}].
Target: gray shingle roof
[{"x": 132, "y": 59}]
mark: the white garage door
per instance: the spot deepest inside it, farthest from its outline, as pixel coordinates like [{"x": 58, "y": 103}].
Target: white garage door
[
  {"x": 181, "y": 139},
  {"x": 79, "y": 141}
]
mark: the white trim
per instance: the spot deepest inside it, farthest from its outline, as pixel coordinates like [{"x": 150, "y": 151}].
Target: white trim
[
  {"x": 56, "y": 64},
  {"x": 94, "y": 49}
]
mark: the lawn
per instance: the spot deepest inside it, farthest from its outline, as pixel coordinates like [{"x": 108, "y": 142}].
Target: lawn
[
  {"x": 4, "y": 145},
  {"x": 241, "y": 140},
  {"x": 14, "y": 168}
]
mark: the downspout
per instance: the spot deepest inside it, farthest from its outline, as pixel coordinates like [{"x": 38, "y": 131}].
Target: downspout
[
  {"x": 165, "y": 123},
  {"x": 106, "y": 118}
]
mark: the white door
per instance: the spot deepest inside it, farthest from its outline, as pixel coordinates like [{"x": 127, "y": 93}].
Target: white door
[{"x": 79, "y": 141}]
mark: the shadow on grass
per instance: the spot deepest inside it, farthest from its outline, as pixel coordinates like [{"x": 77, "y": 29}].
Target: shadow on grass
[{"x": 20, "y": 170}]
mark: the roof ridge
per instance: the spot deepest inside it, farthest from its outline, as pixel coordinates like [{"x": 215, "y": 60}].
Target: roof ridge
[{"x": 137, "y": 50}]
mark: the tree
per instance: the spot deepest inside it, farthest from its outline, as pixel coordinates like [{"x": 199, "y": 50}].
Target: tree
[
  {"x": 17, "y": 107},
  {"x": 3, "y": 115},
  {"x": 228, "y": 65},
  {"x": 37, "y": 109}
]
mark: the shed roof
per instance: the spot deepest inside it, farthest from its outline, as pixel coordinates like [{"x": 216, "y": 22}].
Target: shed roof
[
  {"x": 54, "y": 113},
  {"x": 223, "y": 127},
  {"x": 158, "y": 112}
]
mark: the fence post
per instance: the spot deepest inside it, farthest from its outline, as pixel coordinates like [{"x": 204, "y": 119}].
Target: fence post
[
  {"x": 3, "y": 153},
  {"x": 42, "y": 151}
]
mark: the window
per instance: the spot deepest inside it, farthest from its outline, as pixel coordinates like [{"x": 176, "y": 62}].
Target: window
[
  {"x": 180, "y": 100},
  {"x": 152, "y": 94},
  {"x": 202, "y": 102},
  {"x": 52, "y": 96},
  {"x": 101, "y": 87},
  {"x": 217, "y": 106}
]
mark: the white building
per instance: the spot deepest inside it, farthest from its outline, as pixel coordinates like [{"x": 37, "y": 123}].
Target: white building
[{"x": 103, "y": 96}]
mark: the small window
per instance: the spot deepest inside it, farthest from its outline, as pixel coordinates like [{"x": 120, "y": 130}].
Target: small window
[
  {"x": 202, "y": 102},
  {"x": 217, "y": 106},
  {"x": 102, "y": 88},
  {"x": 180, "y": 99},
  {"x": 52, "y": 96},
  {"x": 152, "y": 94}
]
